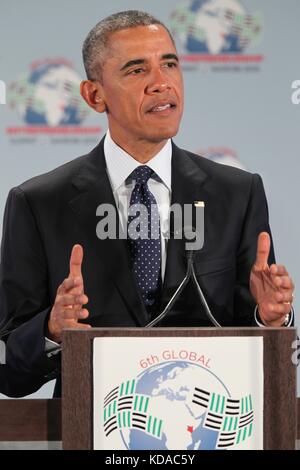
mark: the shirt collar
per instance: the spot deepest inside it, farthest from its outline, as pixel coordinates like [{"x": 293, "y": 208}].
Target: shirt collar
[{"x": 120, "y": 164}]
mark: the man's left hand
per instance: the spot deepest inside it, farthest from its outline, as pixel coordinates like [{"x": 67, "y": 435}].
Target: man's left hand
[{"x": 271, "y": 286}]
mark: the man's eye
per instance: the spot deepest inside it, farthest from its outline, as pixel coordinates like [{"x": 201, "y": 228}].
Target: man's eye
[
  {"x": 135, "y": 71},
  {"x": 171, "y": 64}
]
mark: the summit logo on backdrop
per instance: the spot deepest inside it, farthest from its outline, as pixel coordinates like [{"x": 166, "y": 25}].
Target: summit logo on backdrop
[
  {"x": 168, "y": 407},
  {"x": 216, "y": 31},
  {"x": 48, "y": 101}
]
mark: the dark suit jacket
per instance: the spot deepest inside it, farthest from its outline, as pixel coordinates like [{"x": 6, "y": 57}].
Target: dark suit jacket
[{"x": 47, "y": 215}]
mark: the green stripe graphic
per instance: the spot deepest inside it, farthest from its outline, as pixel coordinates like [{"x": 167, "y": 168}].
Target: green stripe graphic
[
  {"x": 128, "y": 419},
  {"x": 236, "y": 423},
  {"x": 159, "y": 428},
  {"x": 217, "y": 405},
  {"x": 154, "y": 426},
  {"x": 149, "y": 424},
  {"x": 225, "y": 423},
  {"x": 141, "y": 403},
  {"x": 212, "y": 401}
]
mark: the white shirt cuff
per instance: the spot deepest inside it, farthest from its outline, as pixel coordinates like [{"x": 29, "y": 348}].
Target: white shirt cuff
[
  {"x": 51, "y": 347},
  {"x": 288, "y": 322}
]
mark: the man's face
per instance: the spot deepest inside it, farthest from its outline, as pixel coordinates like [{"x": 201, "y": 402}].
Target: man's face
[{"x": 142, "y": 85}]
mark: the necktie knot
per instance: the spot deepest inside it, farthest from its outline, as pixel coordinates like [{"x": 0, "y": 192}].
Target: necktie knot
[{"x": 142, "y": 174}]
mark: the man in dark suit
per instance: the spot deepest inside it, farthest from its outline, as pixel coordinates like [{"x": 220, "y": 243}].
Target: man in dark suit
[{"x": 134, "y": 76}]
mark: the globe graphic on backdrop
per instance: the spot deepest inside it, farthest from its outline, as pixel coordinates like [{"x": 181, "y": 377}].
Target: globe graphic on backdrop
[
  {"x": 49, "y": 96},
  {"x": 170, "y": 386},
  {"x": 214, "y": 26}
]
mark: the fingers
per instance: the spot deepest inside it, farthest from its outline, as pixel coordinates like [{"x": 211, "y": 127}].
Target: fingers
[
  {"x": 69, "y": 306},
  {"x": 280, "y": 277},
  {"x": 284, "y": 282},
  {"x": 71, "y": 285},
  {"x": 64, "y": 317},
  {"x": 71, "y": 314},
  {"x": 263, "y": 250},
  {"x": 84, "y": 313},
  {"x": 76, "y": 261},
  {"x": 279, "y": 309},
  {"x": 278, "y": 269},
  {"x": 282, "y": 296},
  {"x": 71, "y": 300},
  {"x": 80, "y": 326}
]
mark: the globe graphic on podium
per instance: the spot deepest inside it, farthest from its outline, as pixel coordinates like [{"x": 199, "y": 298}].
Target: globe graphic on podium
[{"x": 170, "y": 387}]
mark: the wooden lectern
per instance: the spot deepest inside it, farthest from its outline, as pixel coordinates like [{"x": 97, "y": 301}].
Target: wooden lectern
[{"x": 279, "y": 387}]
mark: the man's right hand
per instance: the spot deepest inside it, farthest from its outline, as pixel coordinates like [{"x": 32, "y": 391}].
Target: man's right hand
[{"x": 70, "y": 298}]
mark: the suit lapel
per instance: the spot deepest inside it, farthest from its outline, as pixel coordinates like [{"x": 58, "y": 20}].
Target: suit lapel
[
  {"x": 92, "y": 189},
  {"x": 187, "y": 180}
]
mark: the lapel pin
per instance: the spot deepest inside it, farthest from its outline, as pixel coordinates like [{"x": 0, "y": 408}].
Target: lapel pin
[{"x": 199, "y": 203}]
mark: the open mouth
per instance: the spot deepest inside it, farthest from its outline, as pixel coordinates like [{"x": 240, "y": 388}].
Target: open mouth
[{"x": 162, "y": 107}]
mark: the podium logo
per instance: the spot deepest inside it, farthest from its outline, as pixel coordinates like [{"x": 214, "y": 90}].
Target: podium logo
[
  {"x": 169, "y": 407},
  {"x": 2, "y": 92}
]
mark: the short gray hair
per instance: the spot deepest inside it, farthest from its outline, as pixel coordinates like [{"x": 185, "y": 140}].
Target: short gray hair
[{"x": 96, "y": 42}]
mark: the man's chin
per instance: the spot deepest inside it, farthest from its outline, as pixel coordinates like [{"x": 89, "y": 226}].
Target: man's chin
[{"x": 163, "y": 135}]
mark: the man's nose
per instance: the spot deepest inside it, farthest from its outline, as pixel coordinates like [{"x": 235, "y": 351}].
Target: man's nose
[{"x": 158, "y": 83}]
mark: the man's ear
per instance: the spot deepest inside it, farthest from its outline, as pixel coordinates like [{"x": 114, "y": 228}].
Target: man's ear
[{"x": 91, "y": 92}]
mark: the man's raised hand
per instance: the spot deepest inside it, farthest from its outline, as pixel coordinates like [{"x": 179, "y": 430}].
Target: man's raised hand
[
  {"x": 70, "y": 298},
  {"x": 271, "y": 286}
]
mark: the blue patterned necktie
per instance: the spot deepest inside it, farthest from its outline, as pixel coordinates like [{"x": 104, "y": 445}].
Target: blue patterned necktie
[{"x": 144, "y": 237}]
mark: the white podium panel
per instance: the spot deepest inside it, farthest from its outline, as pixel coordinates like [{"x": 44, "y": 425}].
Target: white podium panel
[{"x": 183, "y": 393}]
